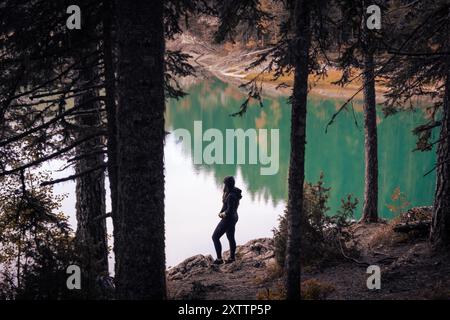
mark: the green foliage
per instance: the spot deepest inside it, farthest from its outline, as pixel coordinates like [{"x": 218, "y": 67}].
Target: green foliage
[
  {"x": 342, "y": 219},
  {"x": 347, "y": 210},
  {"x": 36, "y": 241},
  {"x": 315, "y": 203},
  {"x": 280, "y": 239},
  {"x": 322, "y": 233}
]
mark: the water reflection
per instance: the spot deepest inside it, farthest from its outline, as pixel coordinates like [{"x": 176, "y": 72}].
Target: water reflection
[
  {"x": 339, "y": 154},
  {"x": 193, "y": 192}
]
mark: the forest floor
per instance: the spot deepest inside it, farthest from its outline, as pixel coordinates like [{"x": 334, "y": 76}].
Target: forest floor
[{"x": 410, "y": 269}]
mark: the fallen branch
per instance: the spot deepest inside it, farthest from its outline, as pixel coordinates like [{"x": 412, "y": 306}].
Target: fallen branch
[{"x": 421, "y": 226}]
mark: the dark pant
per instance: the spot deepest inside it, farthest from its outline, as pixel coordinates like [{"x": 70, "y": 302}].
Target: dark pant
[{"x": 227, "y": 226}]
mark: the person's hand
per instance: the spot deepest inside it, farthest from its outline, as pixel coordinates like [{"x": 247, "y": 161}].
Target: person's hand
[{"x": 222, "y": 215}]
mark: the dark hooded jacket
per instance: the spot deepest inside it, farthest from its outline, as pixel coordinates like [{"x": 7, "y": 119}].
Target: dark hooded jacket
[{"x": 231, "y": 203}]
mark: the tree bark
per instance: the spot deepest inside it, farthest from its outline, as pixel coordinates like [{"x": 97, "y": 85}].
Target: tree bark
[
  {"x": 110, "y": 104},
  {"x": 370, "y": 207},
  {"x": 298, "y": 140},
  {"x": 140, "y": 257},
  {"x": 440, "y": 225},
  {"x": 91, "y": 234}
]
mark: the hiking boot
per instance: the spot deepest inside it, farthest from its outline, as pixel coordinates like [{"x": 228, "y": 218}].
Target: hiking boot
[
  {"x": 218, "y": 261},
  {"x": 230, "y": 260}
]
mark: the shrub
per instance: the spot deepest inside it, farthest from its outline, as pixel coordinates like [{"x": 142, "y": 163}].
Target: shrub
[
  {"x": 313, "y": 289},
  {"x": 280, "y": 240},
  {"x": 273, "y": 272},
  {"x": 321, "y": 234},
  {"x": 36, "y": 242},
  {"x": 276, "y": 293}
]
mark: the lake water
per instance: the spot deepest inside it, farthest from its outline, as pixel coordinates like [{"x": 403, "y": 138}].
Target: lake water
[{"x": 193, "y": 192}]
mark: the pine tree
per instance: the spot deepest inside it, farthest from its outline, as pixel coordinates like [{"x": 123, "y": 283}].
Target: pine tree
[
  {"x": 357, "y": 47},
  {"x": 139, "y": 248},
  {"x": 57, "y": 72},
  {"x": 300, "y": 49},
  {"x": 420, "y": 68},
  {"x": 295, "y": 215}
]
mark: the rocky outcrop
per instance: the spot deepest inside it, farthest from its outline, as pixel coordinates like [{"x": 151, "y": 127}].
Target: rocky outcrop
[
  {"x": 197, "y": 278},
  {"x": 189, "y": 267}
]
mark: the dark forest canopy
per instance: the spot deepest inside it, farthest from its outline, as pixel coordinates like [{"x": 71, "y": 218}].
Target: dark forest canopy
[{"x": 95, "y": 98}]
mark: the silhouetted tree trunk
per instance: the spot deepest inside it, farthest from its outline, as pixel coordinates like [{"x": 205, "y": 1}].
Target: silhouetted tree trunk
[
  {"x": 298, "y": 140},
  {"x": 91, "y": 235},
  {"x": 440, "y": 226},
  {"x": 370, "y": 208},
  {"x": 110, "y": 104},
  {"x": 140, "y": 257}
]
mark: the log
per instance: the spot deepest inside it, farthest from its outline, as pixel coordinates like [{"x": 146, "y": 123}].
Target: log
[{"x": 420, "y": 226}]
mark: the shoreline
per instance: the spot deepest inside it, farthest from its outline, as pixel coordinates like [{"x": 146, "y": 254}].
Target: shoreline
[{"x": 232, "y": 67}]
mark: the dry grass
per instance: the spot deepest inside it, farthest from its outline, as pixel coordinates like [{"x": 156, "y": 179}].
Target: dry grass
[
  {"x": 273, "y": 272},
  {"x": 276, "y": 293},
  {"x": 313, "y": 289},
  {"x": 386, "y": 236},
  {"x": 320, "y": 82}
]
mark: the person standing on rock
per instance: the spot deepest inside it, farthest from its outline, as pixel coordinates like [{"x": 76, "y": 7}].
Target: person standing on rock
[{"x": 229, "y": 216}]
